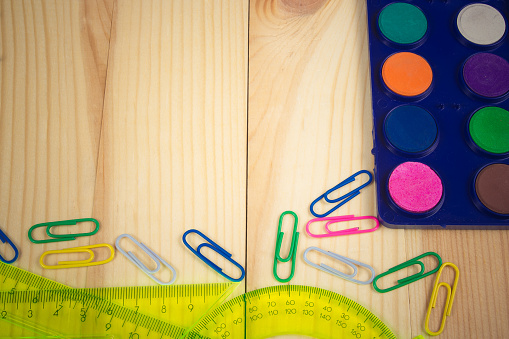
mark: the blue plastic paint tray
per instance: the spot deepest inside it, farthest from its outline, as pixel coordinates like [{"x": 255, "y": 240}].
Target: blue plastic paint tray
[{"x": 468, "y": 80}]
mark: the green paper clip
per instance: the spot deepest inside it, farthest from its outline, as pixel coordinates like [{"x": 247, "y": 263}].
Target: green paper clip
[
  {"x": 414, "y": 277},
  {"x": 292, "y": 254},
  {"x": 62, "y": 237}
]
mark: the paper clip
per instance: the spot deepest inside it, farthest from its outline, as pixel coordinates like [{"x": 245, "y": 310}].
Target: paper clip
[
  {"x": 410, "y": 279},
  {"x": 158, "y": 260},
  {"x": 216, "y": 248},
  {"x": 292, "y": 253},
  {"x": 62, "y": 237},
  {"x": 342, "y": 199},
  {"x": 350, "y": 262},
  {"x": 4, "y": 239},
  {"x": 334, "y": 220},
  {"x": 78, "y": 263},
  {"x": 449, "y": 300}
]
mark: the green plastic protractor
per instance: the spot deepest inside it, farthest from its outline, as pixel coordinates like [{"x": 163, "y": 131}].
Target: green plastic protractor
[{"x": 291, "y": 309}]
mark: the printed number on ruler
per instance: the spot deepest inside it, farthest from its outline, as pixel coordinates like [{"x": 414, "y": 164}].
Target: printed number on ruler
[
  {"x": 33, "y": 305},
  {"x": 288, "y": 309},
  {"x": 72, "y": 312}
]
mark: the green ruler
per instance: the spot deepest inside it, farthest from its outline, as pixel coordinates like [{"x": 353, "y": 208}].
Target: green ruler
[{"x": 33, "y": 306}]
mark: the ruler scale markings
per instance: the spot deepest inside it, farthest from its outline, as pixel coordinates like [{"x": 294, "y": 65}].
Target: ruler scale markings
[
  {"x": 149, "y": 323},
  {"x": 153, "y": 325},
  {"x": 160, "y": 327},
  {"x": 279, "y": 295}
]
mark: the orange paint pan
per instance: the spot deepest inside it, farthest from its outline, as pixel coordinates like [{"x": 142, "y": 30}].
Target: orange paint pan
[{"x": 407, "y": 74}]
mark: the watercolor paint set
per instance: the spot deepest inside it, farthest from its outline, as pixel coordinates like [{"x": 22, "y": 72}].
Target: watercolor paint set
[{"x": 440, "y": 90}]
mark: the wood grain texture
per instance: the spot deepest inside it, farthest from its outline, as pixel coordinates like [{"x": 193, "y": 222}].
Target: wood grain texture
[
  {"x": 309, "y": 128},
  {"x": 481, "y": 304},
  {"x": 147, "y": 131},
  {"x": 53, "y": 71},
  {"x": 173, "y": 142}
]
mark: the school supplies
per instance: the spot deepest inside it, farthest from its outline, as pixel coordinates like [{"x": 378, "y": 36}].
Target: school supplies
[
  {"x": 177, "y": 311},
  {"x": 342, "y": 199},
  {"x": 350, "y": 262},
  {"x": 62, "y": 237},
  {"x": 216, "y": 248},
  {"x": 440, "y": 94},
  {"x": 34, "y": 306},
  {"x": 157, "y": 259},
  {"x": 448, "y": 303},
  {"x": 410, "y": 279},
  {"x": 292, "y": 253},
  {"x": 5, "y": 239},
  {"x": 338, "y": 219},
  {"x": 78, "y": 263},
  {"x": 291, "y": 309}
]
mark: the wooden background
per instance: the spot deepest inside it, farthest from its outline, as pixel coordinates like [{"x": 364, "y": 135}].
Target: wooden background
[{"x": 158, "y": 116}]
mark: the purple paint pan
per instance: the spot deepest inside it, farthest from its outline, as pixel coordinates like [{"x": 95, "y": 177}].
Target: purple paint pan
[{"x": 487, "y": 75}]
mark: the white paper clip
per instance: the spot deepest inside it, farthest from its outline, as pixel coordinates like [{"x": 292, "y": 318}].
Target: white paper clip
[
  {"x": 350, "y": 262},
  {"x": 158, "y": 260}
]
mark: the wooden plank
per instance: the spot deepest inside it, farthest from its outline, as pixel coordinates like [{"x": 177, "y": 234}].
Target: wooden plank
[
  {"x": 172, "y": 154},
  {"x": 173, "y": 146},
  {"x": 310, "y": 127},
  {"x": 53, "y": 71},
  {"x": 482, "y": 292}
]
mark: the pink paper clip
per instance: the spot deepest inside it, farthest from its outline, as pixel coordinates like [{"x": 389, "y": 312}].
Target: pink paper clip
[{"x": 341, "y": 218}]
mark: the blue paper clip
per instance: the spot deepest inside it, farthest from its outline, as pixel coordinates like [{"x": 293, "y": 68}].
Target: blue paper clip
[
  {"x": 342, "y": 199},
  {"x": 216, "y": 248},
  {"x": 350, "y": 262},
  {"x": 4, "y": 239},
  {"x": 158, "y": 260}
]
